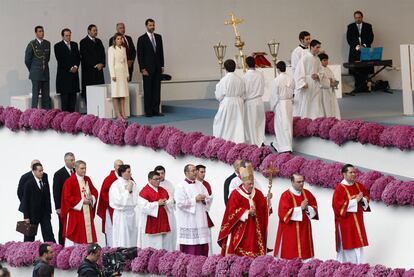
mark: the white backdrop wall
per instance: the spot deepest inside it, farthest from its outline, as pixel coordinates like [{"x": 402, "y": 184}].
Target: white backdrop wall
[
  {"x": 190, "y": 28},
  {"x": 389, "y": 228}
]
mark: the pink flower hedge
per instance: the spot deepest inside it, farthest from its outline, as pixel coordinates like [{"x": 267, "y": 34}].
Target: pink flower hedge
[
  {"x": 341, "y": 131},
  {"x": 175, "y": 142}
]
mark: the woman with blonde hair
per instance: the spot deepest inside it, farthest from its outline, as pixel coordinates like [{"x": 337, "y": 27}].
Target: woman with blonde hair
[{"x": 118, "y": 69}]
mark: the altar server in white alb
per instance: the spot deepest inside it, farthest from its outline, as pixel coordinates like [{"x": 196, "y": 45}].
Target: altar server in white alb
[
  {"x": 123, "y": 198},
  {"x": 230, "y": 92},
  {"x": 254, "y": 112},
  {"x": 307, "y": 81},
  {"x": 281, "y": 104},
  {"x": 297, "y": 54},
  {"x": 192, "y": 202},
  {"x": 155, "y": 206},
  {"x": 169, "y": 186},
  {"x": 328, "y": 85}
]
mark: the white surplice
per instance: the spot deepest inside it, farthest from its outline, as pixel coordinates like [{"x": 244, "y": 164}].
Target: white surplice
[
  {"x": 311, "y": 97},
  {"x": 297, "y": 55},
  {"x": 192, "y": 224},
  {"x": 171, "y": 215},
  {"x": 329, "y": 101},
  {"x": 157, "y": 241},
  {"x": 228, "y": 122},
  {"x": 254, "y": 112},
  {"x": 281, "y": 104},
  {"x": 125, "y": 227}
]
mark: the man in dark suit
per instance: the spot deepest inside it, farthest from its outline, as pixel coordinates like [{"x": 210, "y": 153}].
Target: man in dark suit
[
  {"x": 236, "y": 166},
  {"x": 35, "y": 204},
  {"x": 67, "y": 76},
  {"x": 58, "y": 180},
  {"x": 92, "y": 59},
  {"x": 37, "y": 56},
  {"x": 151, "y": 64},
  {"x": 359, "y": 35},
  {"x": 23, "y": 180},
  {"x": 129, "y": 46}
]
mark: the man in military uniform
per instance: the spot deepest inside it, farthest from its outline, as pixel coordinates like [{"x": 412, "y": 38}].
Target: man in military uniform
[{"x": 36, "y": 58}]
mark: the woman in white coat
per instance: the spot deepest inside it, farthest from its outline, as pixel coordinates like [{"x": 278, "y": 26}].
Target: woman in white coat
[{"x": 118, "y": 69}]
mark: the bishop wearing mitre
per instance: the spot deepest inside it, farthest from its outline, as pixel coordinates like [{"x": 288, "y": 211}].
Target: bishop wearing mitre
[{"x": 244, "y": 228}]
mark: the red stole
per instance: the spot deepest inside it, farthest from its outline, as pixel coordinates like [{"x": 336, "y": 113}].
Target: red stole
[
  {"x": 74, "y": 227},
  {"x": 351, "y": 225},
  {"x": 208, "y": 187},
  {"x": 247, "y": 238},
  {"x": 295, "y": 236},
  {"x": 159, "y": 224},
  {"x": 103, "y": 203}
]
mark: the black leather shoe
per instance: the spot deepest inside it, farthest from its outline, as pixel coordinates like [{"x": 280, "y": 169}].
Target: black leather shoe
[
  {"x": 159, "y": 114},
  {"x": 148, "y": 115}
]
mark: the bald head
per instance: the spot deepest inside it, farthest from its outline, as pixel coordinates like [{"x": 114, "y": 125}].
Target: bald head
[
  {"x": 35, "y": 161},
  {"x": 117, "y": 164}
]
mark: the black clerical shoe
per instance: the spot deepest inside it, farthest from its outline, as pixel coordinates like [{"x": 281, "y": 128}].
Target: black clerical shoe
[
  {"x": 159, "y": 114},
  {"x": 271, "y": 145},
  {"x": 148, "y": 115}
]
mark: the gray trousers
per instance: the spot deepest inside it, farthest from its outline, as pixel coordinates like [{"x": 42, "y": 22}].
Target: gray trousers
[{"x": 44, "y": 87}]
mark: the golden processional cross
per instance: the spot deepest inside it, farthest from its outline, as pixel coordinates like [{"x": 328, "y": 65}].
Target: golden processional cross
[{"x": 234, "y": 21}]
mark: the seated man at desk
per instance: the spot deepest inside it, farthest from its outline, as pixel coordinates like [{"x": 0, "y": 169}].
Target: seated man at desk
[{"x": 359, "y": 35}]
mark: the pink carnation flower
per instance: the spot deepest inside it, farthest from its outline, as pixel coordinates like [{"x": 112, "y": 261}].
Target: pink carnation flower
[
  {"x": 131, "y": 133},
  {"x": 308, "y": 269},
  {"x": 270, "y": 125},
  {"x": 326, "y": 126},
  {"x": 240, "y": 267},
  {"x": 24, "y": 118},
  {"x": 276, "y": 266},
  {"x": 48, "y": 118},
  {"x": 69, "y": 123},
  {"x": 154, "y": 260},
  {"x": 103, "y": 134},
  {"x": 281, "y": 159},
  {"x": 397, "y": 136},
  {"x": 378, "y": 187},
  {"x": 345, "y": 130},
  {"x": 292, "y": 166},
  {"x": 36, "y": 119},
  {"x": 166, "y": 263},
  {"x": 235, "y": 153},
  {"x": 291, "y": 268},
  {"x": 153, "y": 136},
  {"x": 212, "y": 148},
  {"x": 12, "y": 118},
  {"x": 269, "y": 160},
  {"x": 224, "y": 265},
  {"x": 405, "y": 193},
  {"x": 209, "y": 266},
  {"x": 344, "y": 270},
  {"x": 389, "y": 195},
  {"x": 397, "y": 272},
  {"x": 117, "y": 131},
  {"x": 370, "y": 133},
  {"x": 180, "y": 265},
  {"x": 140, "y": 263},
  {"x": 368, "y": 178},
  {"x": 78, "y": 255},
  {"x": 194, "y": 267},
  {"x": 359, "y": 270},
  {"x": 378, "y": 271},
  {"x": 57, "y": 121},
  {"x": 62, "y": 261},
  {"x": 327, "y": 268},
  {"x": 2, "y": 115},
  {"x": 313, "y": 127},
  {"x": 188, "y": 142},
  {"x": 141, "y": 137},
  {"x": 330, "y": 175},
  {"x": 310, "y": 170},
  {"x": 174, "y": 144},
  {"x": 407, "y": 273},
  {"x": 300, "y": 127},
  {"x": 260, "y": 265},
  {"x": 258, "y": 155},
  {"x": 200, "y": 145},
  {"x": 97, "y": 126},
  {"x": 166, "y": 135},
  {"x": 224, "y": 149},
  {"x": 88, "y": 123}
]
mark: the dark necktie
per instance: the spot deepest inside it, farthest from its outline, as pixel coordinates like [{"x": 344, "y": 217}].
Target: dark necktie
[
  {"x": 153, "y": 42},
  {"x": 41, "y": 184}
]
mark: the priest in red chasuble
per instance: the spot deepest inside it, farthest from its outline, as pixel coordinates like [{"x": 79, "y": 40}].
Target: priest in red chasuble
[
  {"x": 244, "y": 228},
  {"x": 78, "y": 207},
  {"x": 104, "y": 211},
  {"x": 297, "y": 206},
  {"x": 350, "y": 201}
]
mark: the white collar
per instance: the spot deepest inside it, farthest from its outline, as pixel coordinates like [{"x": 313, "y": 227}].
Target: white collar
[
  {"x": 91, "y": 38},
  {"x": 295, "y": 192},
  {"x": 40, "y": 41},
  {"x": 251, "y": 69},
  {"x": 151, "y": 34},
  {"x": 116, "y": 174},
  {"x": 67, "y": 43},
  {"x": 346, "y": 183},
  {"x": 37, "y": 179},
  {"x": 68, "y": 170},
  {"x": 80, "y": 178},
  {"x": 153, "y": 187}
]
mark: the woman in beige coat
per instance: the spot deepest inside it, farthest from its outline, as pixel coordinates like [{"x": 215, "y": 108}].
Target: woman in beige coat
[{"x": 118, "y": 69}]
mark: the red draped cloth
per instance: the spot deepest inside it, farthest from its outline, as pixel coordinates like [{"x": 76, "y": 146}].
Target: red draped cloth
[
  {"x": 208, "y": 187},
  {"x": 294, "y": 238},
  {"x": 351, "y": 225},
  {"x": 74, "y": 227},
  {"x": 103, "y": 203},
  {"x": 159, "y": 224},
  {"x": 247, "y": 238}
]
